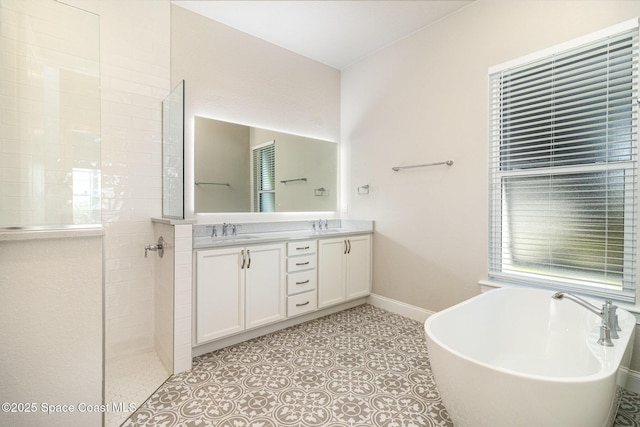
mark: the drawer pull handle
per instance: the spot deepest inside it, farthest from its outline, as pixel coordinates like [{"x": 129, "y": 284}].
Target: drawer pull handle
[
  {"x": 302, "y": 249},
  {"x": 302, "y": 283},
  {"x": 302, "y": 263},
  {"x": 303, "y": 304}
]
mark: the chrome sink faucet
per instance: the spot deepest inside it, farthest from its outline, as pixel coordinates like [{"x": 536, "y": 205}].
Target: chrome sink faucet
[
  {"x": 229, "y": 229},
  {"x": 609, "y": 325},
  {"x": 319, "y": 224}
]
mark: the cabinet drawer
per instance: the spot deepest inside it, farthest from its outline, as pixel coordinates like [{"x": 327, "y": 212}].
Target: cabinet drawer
[
  {"x": 301, "y": 282},
  {"x": 301, "y": 263},
  {"x": 301, "y": 248},
  {"x": 301, "y": 303}
]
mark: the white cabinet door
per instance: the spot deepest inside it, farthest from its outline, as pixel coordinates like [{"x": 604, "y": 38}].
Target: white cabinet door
[
  {"x": 219, "y": 298},
  {"x": 344, "y": 269},
  {"x": 265, "y": 292},
  {"x": 358, "y": 266},
  {"x": 331, "y": 271}
]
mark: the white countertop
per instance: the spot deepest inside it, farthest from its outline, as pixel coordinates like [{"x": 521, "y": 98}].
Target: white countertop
[{"x": 272, "y": 237}]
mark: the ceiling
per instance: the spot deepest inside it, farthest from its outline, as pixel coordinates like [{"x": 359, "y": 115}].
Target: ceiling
[{"x": 337, "y": 33}]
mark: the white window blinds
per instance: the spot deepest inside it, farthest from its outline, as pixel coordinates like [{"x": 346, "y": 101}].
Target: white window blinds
[
  {"x": 264, "y": 178},
  {"x": 563, "y": 169}
]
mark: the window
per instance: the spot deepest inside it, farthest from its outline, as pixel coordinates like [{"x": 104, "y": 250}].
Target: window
[
  {"x": 563, "y": 167},
  {"x": 264, "y": 177}
]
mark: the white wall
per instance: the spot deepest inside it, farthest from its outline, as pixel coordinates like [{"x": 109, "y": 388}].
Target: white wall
[
  {"x": 235, "y": 77},
  {"x": 51, "y": 325},
  {"x": 424, "y": 99}
]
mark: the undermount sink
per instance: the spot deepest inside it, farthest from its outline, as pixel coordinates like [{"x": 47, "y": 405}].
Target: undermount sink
[
  {"x": 212, "y": 240},
  {"x": 238, "y": 237}
]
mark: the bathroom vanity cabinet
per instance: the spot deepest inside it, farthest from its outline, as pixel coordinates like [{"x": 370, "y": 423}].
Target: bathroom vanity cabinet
[
  {"x": 344, "y": 269},
  {"x": 243, "y": 287},
  {"x": 238, "y": 288}
]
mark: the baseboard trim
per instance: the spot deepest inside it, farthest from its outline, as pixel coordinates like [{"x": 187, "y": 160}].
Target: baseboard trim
[
  {"x": 633, "y": 381},
  {"x": 398, "y": 307}
]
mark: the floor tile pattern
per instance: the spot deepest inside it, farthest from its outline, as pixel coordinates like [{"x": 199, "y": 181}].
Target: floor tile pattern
[
  {"x": 363, "y": 367},
  {"x": 628, "y": 411}
]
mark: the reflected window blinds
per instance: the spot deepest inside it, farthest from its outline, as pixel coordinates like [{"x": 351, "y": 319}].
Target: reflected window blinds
[{"x": 264, "y": 177}]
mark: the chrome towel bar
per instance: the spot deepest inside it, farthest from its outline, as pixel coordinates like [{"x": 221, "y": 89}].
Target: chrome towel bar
[
  {"x": 284, "y": 181},
  {"x": 448, "y": 163},
  {"x": 213, "y": 183}
]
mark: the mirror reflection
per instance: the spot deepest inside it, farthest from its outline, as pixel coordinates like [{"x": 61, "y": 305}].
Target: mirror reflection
[{"x": 240, "y": 168}]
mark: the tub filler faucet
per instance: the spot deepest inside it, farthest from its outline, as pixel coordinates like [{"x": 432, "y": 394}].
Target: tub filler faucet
[{"x": 609, "y": 327}]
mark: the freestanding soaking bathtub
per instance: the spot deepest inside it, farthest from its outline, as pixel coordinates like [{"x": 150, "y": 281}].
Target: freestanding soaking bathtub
[{"x": 517, "y": 357}]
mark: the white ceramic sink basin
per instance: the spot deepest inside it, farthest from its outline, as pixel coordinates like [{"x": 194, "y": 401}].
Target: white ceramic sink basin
[{"x": 238, "y": 237}]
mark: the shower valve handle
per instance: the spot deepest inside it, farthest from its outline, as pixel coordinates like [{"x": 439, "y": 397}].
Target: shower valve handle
[{"x": 159, "y": 247}]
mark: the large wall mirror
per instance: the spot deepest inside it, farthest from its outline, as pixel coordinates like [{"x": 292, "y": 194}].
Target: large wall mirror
[{"x": 239, "y": 168}]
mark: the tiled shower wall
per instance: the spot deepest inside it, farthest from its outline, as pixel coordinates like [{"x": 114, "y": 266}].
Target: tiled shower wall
[
  {"x": 49, "y": 115},
  {"x": 173, "y": 302},
  {"x": 135, "y": 78}
]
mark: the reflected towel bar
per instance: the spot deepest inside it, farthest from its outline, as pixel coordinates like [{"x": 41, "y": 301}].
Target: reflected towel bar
[
  {"x": 397, "y": 168},
  {"x": 213, "y": 183},
  {"x": 284, "y": 181}
]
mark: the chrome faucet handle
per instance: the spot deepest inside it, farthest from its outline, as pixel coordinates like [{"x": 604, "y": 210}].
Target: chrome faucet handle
[
  {"x": 605, "y": 330},
  {"x": 214, "y": 231},
  {"x": 234, "y": 229},
  {"x": 225, "y": 228},
  {"x": 158, "y": 247},
  {"x": 605, "y": 336},
  {"x": 612, "y": 320},
  {"x": 615, "y": 326}
]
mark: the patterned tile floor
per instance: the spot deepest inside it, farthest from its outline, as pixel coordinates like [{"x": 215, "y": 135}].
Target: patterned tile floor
[{"x": 362, "y": 367}]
